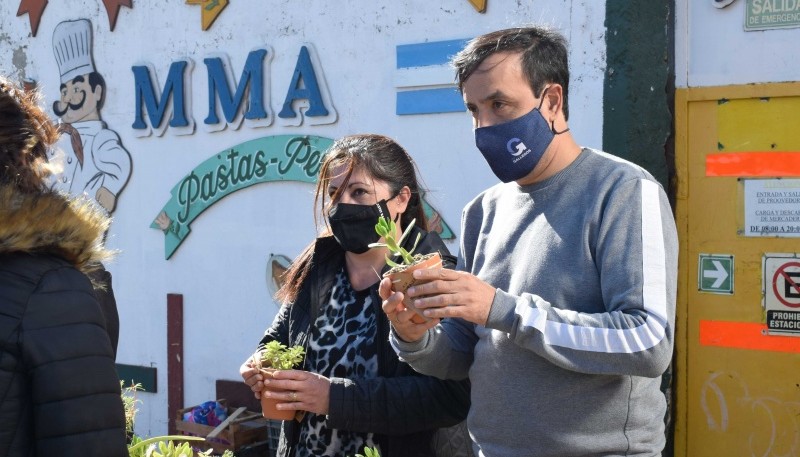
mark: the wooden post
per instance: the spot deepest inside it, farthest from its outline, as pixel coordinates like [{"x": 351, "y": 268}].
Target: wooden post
[{"x": 174, "y": 358}]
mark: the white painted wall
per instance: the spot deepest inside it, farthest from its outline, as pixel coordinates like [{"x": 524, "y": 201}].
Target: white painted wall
[
  {"x": 220, "y": 268},
  {"x": 712, "y": 48}
]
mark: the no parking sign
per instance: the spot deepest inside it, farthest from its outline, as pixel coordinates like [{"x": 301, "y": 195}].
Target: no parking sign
[{"x": 781, "y": 288}]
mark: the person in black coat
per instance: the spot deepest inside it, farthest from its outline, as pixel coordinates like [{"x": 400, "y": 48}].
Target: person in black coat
[
  {"x": 103, "y": 290},
  {"x": 59, "y": 391},
  {"x": 354, "y": 390}
]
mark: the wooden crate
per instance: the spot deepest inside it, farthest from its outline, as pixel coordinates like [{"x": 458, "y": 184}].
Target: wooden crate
[{"x": 246, "y": 429}]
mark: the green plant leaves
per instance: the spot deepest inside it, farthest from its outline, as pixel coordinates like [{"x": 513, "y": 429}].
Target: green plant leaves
[
  {"x": 369, "y": 452},
  {"x": 158, "y": 446},
  {"x": 386, "y": 228},
  {"x": 276, "y": 355},
  {"x": 162, "y": 446}
]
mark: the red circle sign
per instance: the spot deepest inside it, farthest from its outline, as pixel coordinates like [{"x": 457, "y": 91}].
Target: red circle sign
[{"x": 781, "y": 271}]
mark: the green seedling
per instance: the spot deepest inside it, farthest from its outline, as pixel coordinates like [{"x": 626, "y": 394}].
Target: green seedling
[{"x": 386, "y": 228}]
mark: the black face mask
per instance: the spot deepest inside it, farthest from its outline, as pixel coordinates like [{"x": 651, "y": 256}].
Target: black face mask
[{"x": 353, "y": 226}]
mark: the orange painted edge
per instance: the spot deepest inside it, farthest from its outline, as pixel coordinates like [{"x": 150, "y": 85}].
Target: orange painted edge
[
  {"x": 745, "y": 335},
  {"x": 479, "y": 5},
  {"x": 753, "y": 164}
]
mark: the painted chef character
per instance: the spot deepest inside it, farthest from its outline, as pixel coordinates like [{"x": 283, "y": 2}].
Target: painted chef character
[{"x": 95, "y": 162}]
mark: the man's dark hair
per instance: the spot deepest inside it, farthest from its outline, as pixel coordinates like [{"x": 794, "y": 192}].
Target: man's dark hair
[{"x": 544, "y": 57}]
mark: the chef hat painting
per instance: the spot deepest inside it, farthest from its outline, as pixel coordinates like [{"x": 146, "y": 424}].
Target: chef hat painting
[{"x": 72, "y": 46}]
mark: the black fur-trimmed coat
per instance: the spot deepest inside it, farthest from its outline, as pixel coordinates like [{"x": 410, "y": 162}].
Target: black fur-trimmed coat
[{"x": 59, "y": 390}]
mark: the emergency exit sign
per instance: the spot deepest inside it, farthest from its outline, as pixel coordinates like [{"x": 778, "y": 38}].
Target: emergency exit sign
[
  {"x": 771, "y": 14},
  {"x": 715, "y": 273}
]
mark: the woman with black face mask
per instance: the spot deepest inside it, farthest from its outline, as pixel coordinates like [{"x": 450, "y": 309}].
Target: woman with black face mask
[{"x": 354, "y": 390}]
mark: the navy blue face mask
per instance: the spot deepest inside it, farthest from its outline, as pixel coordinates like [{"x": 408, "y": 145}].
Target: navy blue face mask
[{"x": 514, "y": 148}]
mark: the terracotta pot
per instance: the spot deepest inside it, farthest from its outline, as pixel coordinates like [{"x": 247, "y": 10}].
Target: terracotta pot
[
  {"x": 402, "y": 279},
  {"x": 268, "y": 405}
]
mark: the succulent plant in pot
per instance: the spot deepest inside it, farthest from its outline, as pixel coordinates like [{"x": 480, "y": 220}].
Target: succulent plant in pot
[
  {"x": 272, "y": 357},
  {"x": 401, "y": 272}
]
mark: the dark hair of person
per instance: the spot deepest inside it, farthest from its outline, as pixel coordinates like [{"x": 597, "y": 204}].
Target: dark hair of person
[
  {"x": 379, "y": 157},
  {"x": 26, "y": 134},
  {"x": 544, "y": 57}
]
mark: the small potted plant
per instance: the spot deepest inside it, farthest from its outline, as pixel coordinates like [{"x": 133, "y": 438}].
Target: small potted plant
[
  {"x": 401, "y": 273},
  {"x": 272, "y": 357}
]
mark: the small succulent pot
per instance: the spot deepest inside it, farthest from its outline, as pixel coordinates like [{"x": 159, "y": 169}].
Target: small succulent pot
[
  {"x": 402, "y": 278},
  {"x": 269, "y": 405}
]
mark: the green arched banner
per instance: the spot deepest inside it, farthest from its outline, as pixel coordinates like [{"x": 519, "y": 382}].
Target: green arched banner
[{"x": 267, "y": 159}]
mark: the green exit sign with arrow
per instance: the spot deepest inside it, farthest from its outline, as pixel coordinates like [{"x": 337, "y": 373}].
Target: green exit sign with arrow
[{"x": 715, "y": 273}]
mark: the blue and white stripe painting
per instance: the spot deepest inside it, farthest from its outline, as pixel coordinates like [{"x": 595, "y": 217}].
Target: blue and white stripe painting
[{"x": 425, "y": 81}]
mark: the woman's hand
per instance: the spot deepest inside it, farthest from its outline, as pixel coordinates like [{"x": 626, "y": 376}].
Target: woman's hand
[
  {"x": 299, "y": 390},
  {"x": 252, "y": 376},
  {"x": 400, "y": 316}
]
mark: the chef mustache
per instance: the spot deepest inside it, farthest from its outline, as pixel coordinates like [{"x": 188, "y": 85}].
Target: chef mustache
[{"x": 69, "y": 106}]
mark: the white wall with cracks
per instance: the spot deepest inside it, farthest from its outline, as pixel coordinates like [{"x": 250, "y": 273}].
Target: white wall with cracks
[{"x": 220, "y": 268}]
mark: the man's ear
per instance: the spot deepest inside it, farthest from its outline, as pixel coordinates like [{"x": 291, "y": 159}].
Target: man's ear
[{"x": 553, "y": 101}]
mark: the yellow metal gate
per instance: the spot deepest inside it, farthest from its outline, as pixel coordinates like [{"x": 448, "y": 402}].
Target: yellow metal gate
[{"x": 738, "y": 328}]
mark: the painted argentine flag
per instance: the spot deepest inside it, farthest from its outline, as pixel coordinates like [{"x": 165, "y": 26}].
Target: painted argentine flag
[{"x": 425, "y": 81}]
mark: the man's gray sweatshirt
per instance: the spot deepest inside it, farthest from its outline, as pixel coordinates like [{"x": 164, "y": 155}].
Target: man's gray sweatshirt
[{"x": 582, "y": 324}]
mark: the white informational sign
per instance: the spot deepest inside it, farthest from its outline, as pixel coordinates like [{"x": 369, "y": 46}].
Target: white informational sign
[
  {"x": 772, "y": 207},
  {"x": 781, "y": 289}
]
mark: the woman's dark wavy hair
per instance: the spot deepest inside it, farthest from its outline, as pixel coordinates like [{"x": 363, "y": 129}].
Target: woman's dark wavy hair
[
  {"x": 26, "y": 134},
  {"x": 544, "y": 57},
  {"x": 382, "y": 159}
]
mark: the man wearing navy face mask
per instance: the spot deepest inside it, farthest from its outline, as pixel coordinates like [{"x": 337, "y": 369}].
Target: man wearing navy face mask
[{"x": 562, "y": 310}]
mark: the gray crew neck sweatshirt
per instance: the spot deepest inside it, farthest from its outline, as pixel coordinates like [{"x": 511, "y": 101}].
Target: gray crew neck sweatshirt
[{"x": 582, "y": 323}]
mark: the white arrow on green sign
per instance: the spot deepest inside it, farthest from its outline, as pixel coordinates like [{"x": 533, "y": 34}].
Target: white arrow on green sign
[{"x": 715, "y": 273}]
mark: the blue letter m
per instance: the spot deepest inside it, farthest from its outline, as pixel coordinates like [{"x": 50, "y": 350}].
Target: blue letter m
[
  {"x": 156, "y": 110},
  {"x": 252, "y": 77}
]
